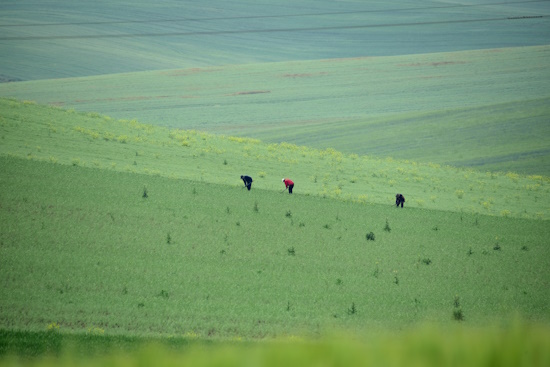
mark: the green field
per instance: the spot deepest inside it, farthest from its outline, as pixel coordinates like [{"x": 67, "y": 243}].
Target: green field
[
  {"x": 54, "y": 135},
  {"x": 127, "y": 237},
  {"x": 216, "y": 260},
  {"x": 50, "y": 40},
  {"x": 200, "y": 258},
  {"x": 454, "y": 84},
  {"x": 485, "y": 109}
]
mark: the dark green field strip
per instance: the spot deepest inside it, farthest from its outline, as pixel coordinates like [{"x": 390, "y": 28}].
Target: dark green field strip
[
  {"x": 52, "y": 343},
  {"x": 288, "y": 15},
  {"x": 269, "y": 30}
]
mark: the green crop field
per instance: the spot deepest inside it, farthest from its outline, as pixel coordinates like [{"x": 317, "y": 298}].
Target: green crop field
[
  {"x": 49, "y": 40},
  {"x": 453, "y": 84},
  {"x": 482, "y": 109},
  {"x": 117, "y": 228},
  {"x": 74, "y": 138},
  {"x": 127, "y": 237}
]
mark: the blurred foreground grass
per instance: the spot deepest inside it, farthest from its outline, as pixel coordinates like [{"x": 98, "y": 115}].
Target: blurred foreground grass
[{"x": 517, "y": 344}]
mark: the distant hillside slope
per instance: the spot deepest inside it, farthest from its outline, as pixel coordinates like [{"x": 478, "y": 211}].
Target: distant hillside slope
[
  {"x": 44, "y": 40},
  {"x": 48, "y": 133},
  {"x": 486, "y": 109}
]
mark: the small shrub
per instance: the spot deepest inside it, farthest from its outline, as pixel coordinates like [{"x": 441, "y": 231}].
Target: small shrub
[
  {"x": 164, "y": 294},
  {"x": 352, "y": 310},
  {"x": 326, "y": 226},
  {"x": 288, "y": 214},
  {"x": 339, "y": 281},
  {"x": 94, "y": 330},
  {"x": 458, "y": 315},
  {"x": 145, "y": 194},
  {"x": 496, "y": 247},
  {"x": 459, "y": 194},
  {"x": 122, "y": 139},
  {"x": 427, "y": 261},
  {"x": 376, "y": 272},
  {"x": 525, "y": 248},
  {"x": 370, "y": 236},
  {"x": 291, "y": 251},
  {"x": 168, "y": 238},
  {"x": 387, "y": 226},
  {"x": 256, "y": 206},
  {"x": 53, "y": 327}
]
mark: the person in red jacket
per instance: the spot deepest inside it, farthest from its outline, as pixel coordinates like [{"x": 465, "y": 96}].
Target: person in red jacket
[{"x": 288, "y": 185}]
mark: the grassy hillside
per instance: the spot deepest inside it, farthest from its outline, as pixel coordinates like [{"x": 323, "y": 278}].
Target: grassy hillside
[
  {"x": 45, "y": 40},
  {"x": 482, "y": 109},
  {"x": 51, "y": 134},
  {"x": 115, "y": 235},
  {"x": 126, "y": 237},
  {"x": 82, "y": 249}
]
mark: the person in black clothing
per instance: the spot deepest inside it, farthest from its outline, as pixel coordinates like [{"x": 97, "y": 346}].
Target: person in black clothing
[
  {"x": 399, "y": 199},
  {"x": 247, "y": 181}
]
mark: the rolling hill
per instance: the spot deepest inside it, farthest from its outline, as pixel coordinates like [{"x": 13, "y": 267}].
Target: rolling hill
[
  {"x": 127, "y": 238},
  {"x": 453, "y": 84},
  {"x": 133, "y": 229},
  {"x": 484, "y": 109},
  {"x": 45, "y": 40},
  {"x": 55, "y": 135}
]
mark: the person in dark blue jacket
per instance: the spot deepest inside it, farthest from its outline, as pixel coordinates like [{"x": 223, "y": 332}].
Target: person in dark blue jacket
[
  {"x": 247, "y": 181},
  {"x": 399, "y": 199}
]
